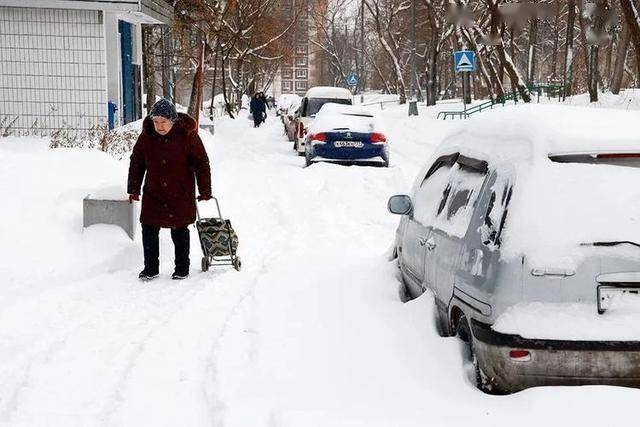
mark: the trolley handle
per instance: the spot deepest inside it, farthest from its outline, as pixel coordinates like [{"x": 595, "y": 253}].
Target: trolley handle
[{"x": 217, "y": 206}]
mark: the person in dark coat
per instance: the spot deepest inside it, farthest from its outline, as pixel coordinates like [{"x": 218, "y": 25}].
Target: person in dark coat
[
  {"x": 170, "y": 156},
  {"x": 258, "y": 107}
]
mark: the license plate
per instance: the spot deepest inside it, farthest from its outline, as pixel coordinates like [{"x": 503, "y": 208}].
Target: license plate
[{"x": 349, "y": 144}]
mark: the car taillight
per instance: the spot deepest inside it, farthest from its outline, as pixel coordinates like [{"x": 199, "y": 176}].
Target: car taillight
[
  {"x": 318, "y": 138},
  {"x": 300, "y": 130},
  {"x": 520, "y": 355},
  {"x": 378, "y": 138}
]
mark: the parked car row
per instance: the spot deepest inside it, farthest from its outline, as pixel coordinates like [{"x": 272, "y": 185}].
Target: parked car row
[
  {"x": 325, "y": 126},
  {"x": 500, "y": 222}
]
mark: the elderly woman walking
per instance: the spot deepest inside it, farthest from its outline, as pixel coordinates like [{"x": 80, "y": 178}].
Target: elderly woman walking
[{"x": 170, "y": 157}]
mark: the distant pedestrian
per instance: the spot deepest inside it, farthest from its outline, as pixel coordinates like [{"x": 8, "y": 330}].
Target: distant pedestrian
[
  {"x": 258, "y": 108},
  {"x": 170, "y": 157}
]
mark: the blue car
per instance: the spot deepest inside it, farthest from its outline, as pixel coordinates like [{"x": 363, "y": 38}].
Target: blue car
[{"x": 346, "y": 134}]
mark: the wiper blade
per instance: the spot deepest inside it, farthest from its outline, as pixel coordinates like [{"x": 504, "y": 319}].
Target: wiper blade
[{"x": 615, "y": 243}]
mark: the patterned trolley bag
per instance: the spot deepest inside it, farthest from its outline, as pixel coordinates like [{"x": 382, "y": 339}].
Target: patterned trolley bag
[{"x": 218, "y": 240}]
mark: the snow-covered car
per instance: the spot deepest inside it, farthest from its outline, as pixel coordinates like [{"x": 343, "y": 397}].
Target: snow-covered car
[
  {"x": 346, "y": 133},
  {"x": 288, "y": 116},
  {"x": 283, "y": 102},
  {"x": 525, "y": 227},
  {"x": 313, "y": 100}
]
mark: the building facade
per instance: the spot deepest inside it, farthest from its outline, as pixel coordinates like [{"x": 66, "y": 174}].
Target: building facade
[
  {"x": 307, "y": 66},
  {"x": 73, "y": 63}
]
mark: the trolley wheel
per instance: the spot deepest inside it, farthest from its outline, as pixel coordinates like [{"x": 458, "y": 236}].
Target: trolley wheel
[
  {"x": 204, "y": 264},
  {"x": 237, "y": 264}
]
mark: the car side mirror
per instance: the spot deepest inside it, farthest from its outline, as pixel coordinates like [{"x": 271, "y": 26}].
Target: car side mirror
[{"x": 400, "y": 204}]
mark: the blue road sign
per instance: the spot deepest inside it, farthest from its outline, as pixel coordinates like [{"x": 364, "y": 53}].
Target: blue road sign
[
  {"x": 465, "y": 60},
  {"x": 352, "y": 80}
]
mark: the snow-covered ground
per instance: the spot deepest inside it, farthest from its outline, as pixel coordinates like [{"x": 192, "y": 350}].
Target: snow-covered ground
[{"x": 311, "y": 333}]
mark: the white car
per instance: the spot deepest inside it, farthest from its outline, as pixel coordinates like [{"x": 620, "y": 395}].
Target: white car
[{"x": 313, "y": 100}]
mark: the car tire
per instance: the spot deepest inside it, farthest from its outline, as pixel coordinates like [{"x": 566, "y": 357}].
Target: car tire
[
  {"x": 307, "y": 160},
  {"x": 442, "y": 322},
  {"x": 478, "y": 377},
  {"x": 386, "y": 161}
]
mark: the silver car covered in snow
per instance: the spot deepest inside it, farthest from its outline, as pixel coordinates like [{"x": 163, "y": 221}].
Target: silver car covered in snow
[{"x": 526, "y": 229}]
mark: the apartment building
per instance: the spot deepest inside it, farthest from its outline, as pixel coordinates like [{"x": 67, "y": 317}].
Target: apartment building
[{"x": 308, "y": 66}]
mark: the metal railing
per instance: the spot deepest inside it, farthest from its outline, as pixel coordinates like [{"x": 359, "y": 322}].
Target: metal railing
[{"x": 552, "y": 90}]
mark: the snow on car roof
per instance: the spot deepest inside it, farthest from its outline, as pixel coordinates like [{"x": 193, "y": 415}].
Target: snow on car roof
[
  {"x": 527, "y": 131},
  {"x": 344, "y": 117},
  {"x": 557, "y": 206},
  {"x": 328, "y": 92}
]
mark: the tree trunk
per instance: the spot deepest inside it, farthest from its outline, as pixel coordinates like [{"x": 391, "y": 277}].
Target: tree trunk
[
  {"x": 531, "y": 51},
  {"x": 633, "y": 20},
  {"x": 215, "y": 76},
  {"x": 568, "y": 50},
  {"x": 556, "y": 43},
  {"x": 168, "y": 88},
  {"x": 621, "y": 58},
  {"x": 148, "y": 65},
  {"x": 432, "y": 73}
]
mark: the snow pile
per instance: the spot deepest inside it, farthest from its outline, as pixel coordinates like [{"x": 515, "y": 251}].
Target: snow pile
[
  {"x": 574, "y": 321},
  {"x": 628, "y": 99}
]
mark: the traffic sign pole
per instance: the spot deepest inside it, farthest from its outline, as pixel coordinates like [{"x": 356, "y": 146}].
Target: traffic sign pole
[
  {"x": 464, "y": 96},
  {"x": 465, "y": 62}
]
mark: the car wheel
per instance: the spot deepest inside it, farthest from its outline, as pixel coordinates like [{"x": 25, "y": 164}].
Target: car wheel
[
  {"x": 386, "y": 161},
  {"x": 475, "y": 371},
  {"x": 442, "y": 322},
  {"x": 307, "y": 160}
]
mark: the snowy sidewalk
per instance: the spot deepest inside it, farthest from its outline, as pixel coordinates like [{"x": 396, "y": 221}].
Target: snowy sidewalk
[{"x": 310, "y": 333}]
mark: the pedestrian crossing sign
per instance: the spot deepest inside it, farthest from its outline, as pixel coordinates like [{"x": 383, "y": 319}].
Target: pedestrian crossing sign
[
  {"x": 352, "y": 80},
  {"x": 464, "y": 60}
]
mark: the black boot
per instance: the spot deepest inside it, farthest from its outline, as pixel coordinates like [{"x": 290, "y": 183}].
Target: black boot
[
  {"x": 180, "y": 237},
  {"x": 151, "y": 245},
  {"x": 147, "y": 276}
]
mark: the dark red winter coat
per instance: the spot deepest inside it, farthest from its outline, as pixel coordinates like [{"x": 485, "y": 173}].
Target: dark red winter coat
[{"x": 172, "y": 163}]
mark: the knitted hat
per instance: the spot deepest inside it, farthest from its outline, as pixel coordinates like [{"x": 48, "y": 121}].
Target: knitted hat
[{"x": 164, "y": 108}]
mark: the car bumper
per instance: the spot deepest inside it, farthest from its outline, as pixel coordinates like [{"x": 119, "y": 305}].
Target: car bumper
[
  {"x": 554, "y": 362},
  {"x": 367, "y": 152}
]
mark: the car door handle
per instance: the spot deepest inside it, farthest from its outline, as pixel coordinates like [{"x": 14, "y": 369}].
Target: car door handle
[{"x": 428, "y": 243}]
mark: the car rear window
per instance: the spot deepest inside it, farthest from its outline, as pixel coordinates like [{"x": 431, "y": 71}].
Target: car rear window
[{"x": 314, "y": 104}]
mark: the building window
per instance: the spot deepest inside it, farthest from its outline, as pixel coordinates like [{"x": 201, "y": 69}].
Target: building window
[
  {"x": 301, "y": 61},
  {"x": 301, "y": 85},
  {"x": 286, "y": 85},
  {"x": 287, "y": 73},
  {"x": 301, "y": 73},
  {"x": 302, "y": 49}
]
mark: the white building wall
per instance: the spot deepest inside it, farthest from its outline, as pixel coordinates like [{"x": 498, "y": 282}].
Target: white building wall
[
  {"x": 113, "y": 62},
  {"x": 52, "y": 68}
]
